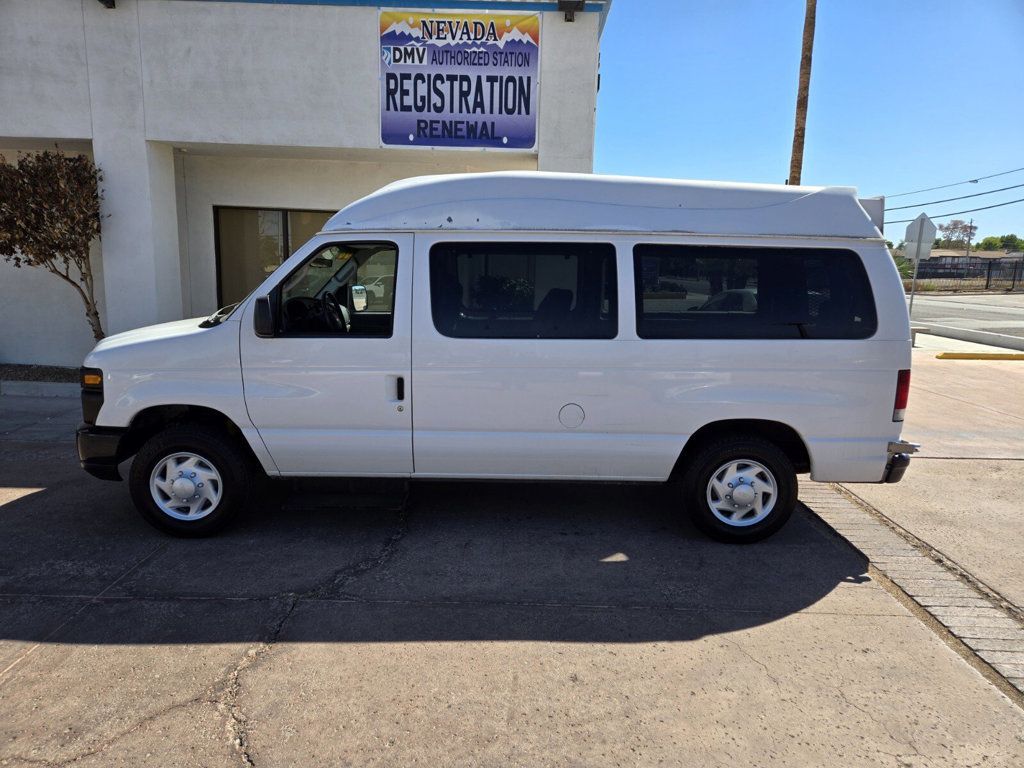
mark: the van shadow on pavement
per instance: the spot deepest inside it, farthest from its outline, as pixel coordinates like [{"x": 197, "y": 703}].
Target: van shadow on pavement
[{"x": 462, "y": 561}]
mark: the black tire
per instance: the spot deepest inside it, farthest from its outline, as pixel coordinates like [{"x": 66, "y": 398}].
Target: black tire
[
  {"x": 232, "y": 463},
  {"x": 697, "y": 478}
]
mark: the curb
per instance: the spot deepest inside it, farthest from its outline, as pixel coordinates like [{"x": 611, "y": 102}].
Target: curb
[
  {"x": 978, "y": 337},
  {"x": 988, "y": 629},
  {"x": 980, "y": 356},
  {"x": 39, "y": 389}
]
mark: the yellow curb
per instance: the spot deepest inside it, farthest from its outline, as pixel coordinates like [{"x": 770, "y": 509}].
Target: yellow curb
[{"x": 980, "y": 356}]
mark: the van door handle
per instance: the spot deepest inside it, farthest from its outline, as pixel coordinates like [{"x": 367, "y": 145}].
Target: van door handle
[{"x": 400, "y": 388}]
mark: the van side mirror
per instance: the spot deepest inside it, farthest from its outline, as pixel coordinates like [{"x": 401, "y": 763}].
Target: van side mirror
[
  {"x": 358, "y": 297},
  {"x": 263, "y": 318}
]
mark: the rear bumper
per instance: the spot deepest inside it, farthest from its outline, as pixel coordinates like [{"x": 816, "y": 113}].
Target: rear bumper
[
  {"x": 899, "y": 460},
  {"x": 99, "y": 450}
]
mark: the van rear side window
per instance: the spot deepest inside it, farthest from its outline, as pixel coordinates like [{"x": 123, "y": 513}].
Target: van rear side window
[
  {"x": 524, "y": 290},
  {"x": 716, "y": 292}
]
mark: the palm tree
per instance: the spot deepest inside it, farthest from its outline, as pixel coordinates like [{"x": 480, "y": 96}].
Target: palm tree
[{"x": 796, "y": 161}]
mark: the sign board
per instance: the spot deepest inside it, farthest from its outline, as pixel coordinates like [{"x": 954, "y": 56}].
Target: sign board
[
  {"x": 459, "y": 80},
  {"x": 919, "y": 238}
]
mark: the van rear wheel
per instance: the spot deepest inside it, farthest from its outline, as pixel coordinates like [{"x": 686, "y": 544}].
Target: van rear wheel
[
  {"x": 740, "y": 489},
  {"x": 189, "y": 480}
]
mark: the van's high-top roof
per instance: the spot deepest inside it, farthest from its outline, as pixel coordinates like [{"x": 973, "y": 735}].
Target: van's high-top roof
[{"x": 535, "y": 201}]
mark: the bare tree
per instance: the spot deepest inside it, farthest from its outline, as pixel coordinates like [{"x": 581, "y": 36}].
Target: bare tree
[
  {"x": 957, "y": 233},
  {"x": 796, "y": 161},
  {"x": 49, "y": 216}
]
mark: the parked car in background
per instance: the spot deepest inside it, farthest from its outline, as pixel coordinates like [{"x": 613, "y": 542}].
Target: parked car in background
[
  {"x": 732, "y": 300},
  {"x": 381, "y": 287}
]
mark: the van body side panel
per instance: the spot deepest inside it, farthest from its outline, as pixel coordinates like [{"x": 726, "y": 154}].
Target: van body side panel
[
  {"x": 328, "y": 405},
  {"x": 176, "y": 363},
  {"x": 489, "y": 407},
  {"x": 837, "y": 395}
]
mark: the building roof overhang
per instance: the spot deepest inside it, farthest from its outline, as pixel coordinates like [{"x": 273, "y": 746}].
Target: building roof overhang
[{"x": 520, "y": 6}]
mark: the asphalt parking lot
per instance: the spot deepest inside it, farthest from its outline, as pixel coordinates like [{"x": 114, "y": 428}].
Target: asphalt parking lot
[{"x": 481, "y": 624}]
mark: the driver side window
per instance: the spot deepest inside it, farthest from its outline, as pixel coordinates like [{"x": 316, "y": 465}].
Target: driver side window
[{"x": 344, "y": 289}]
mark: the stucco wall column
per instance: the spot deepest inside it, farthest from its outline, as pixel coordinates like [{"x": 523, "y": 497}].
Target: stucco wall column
[
  {"x": 568, "y": 93},
  {"x": 141, "y": 262}
]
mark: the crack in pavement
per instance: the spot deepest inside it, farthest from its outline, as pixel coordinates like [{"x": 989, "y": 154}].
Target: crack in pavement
[
  {"x": 108, "y": 742},
  {"x": 884, "y": 725},
  {"x": 227, "y": 700},
  {"x": 224, "y": 692},
  {"x": 772, "y": 736},
  {"x": 4, "y": 676},
  {"x": 735, "y": 644},
  {"x": 334, "y": 585},
  {"x": 908, "y": 742}
]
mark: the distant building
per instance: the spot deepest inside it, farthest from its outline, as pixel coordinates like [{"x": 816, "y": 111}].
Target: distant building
[{"x": 956, "y": 256}]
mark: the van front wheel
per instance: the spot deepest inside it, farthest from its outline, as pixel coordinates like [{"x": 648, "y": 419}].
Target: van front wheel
[
  {"x": 740, "y": 489},
  {"x": 189, "y": 480}
]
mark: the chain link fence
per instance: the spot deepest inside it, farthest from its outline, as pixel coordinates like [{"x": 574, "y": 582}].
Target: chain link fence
[{"x": 975, "y": 274}]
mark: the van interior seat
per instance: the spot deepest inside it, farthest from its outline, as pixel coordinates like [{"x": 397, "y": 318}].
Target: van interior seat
[
  {"x": 836, "y": 310},
  {"x": 554, "y": 307}
]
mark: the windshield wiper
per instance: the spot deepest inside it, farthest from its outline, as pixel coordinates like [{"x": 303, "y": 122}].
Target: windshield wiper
[{"x": 219, "y": 316}]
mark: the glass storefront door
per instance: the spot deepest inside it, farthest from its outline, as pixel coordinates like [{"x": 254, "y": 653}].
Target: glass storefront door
[{"x": 252, "y": 242}]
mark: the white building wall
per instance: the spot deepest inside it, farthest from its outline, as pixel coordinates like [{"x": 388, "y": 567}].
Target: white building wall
[
  {"x": 255, "y": 73},
  {"x": 140, "y": 233},
  {"x": 44, "y": 81},
  {"x": 568, "y": 92},
  {"x": 315, "y": 184},
  {"x": 42, "y": 318},
  {"x": 277, "y": 106}
]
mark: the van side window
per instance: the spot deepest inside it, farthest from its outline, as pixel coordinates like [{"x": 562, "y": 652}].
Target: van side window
[
  {"x": 716, "y": 292},
  {"x": 524, "y": 290}
]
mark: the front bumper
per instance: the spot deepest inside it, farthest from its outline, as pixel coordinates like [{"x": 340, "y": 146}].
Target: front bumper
[
  {"x": 99, "y": 450},
  {"x": 899, "y": 460}
]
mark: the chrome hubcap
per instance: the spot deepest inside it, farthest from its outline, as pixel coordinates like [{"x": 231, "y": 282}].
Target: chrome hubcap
[
  {"x": 742, "y": 492},
  {"x": 186, "y": 486}
]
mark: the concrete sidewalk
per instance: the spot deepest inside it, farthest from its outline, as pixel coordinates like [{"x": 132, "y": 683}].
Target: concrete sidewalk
[
  {"x": 485, "y": 624},
  {"x": 963, "y": 493}
]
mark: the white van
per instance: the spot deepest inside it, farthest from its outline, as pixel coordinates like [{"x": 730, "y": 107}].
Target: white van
[{"x": 528, "y": 326}]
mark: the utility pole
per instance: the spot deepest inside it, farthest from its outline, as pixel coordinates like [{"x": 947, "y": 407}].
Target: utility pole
[
  {"x": 970, "y": 233},
  {"x": 796, "y": 162}
]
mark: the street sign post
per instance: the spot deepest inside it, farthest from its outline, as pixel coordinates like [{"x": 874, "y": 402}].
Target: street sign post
[{"x": 918, "y": 245}]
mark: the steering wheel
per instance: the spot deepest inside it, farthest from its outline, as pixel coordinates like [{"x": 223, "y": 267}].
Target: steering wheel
[{"x": 336, "y": 313}]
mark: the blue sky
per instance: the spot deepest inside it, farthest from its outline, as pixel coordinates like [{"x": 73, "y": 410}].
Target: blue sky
[{"x": 905, "y": 94}]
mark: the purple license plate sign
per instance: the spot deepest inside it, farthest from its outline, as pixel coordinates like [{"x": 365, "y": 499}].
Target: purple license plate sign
[{"x": 459, "y": 79}]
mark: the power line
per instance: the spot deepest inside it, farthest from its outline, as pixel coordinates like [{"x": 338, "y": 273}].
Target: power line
[
  {"x": 950, "y": 199},
  {"x": 957, "y": 183},
  {"x": 957, "y": 213}
]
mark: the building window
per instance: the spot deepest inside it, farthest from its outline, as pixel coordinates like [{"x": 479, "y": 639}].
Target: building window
[
  {"x": 252, "y": 242},
  {"x": 524, "y": 290},
  {"x": 713, "y": 292}
]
